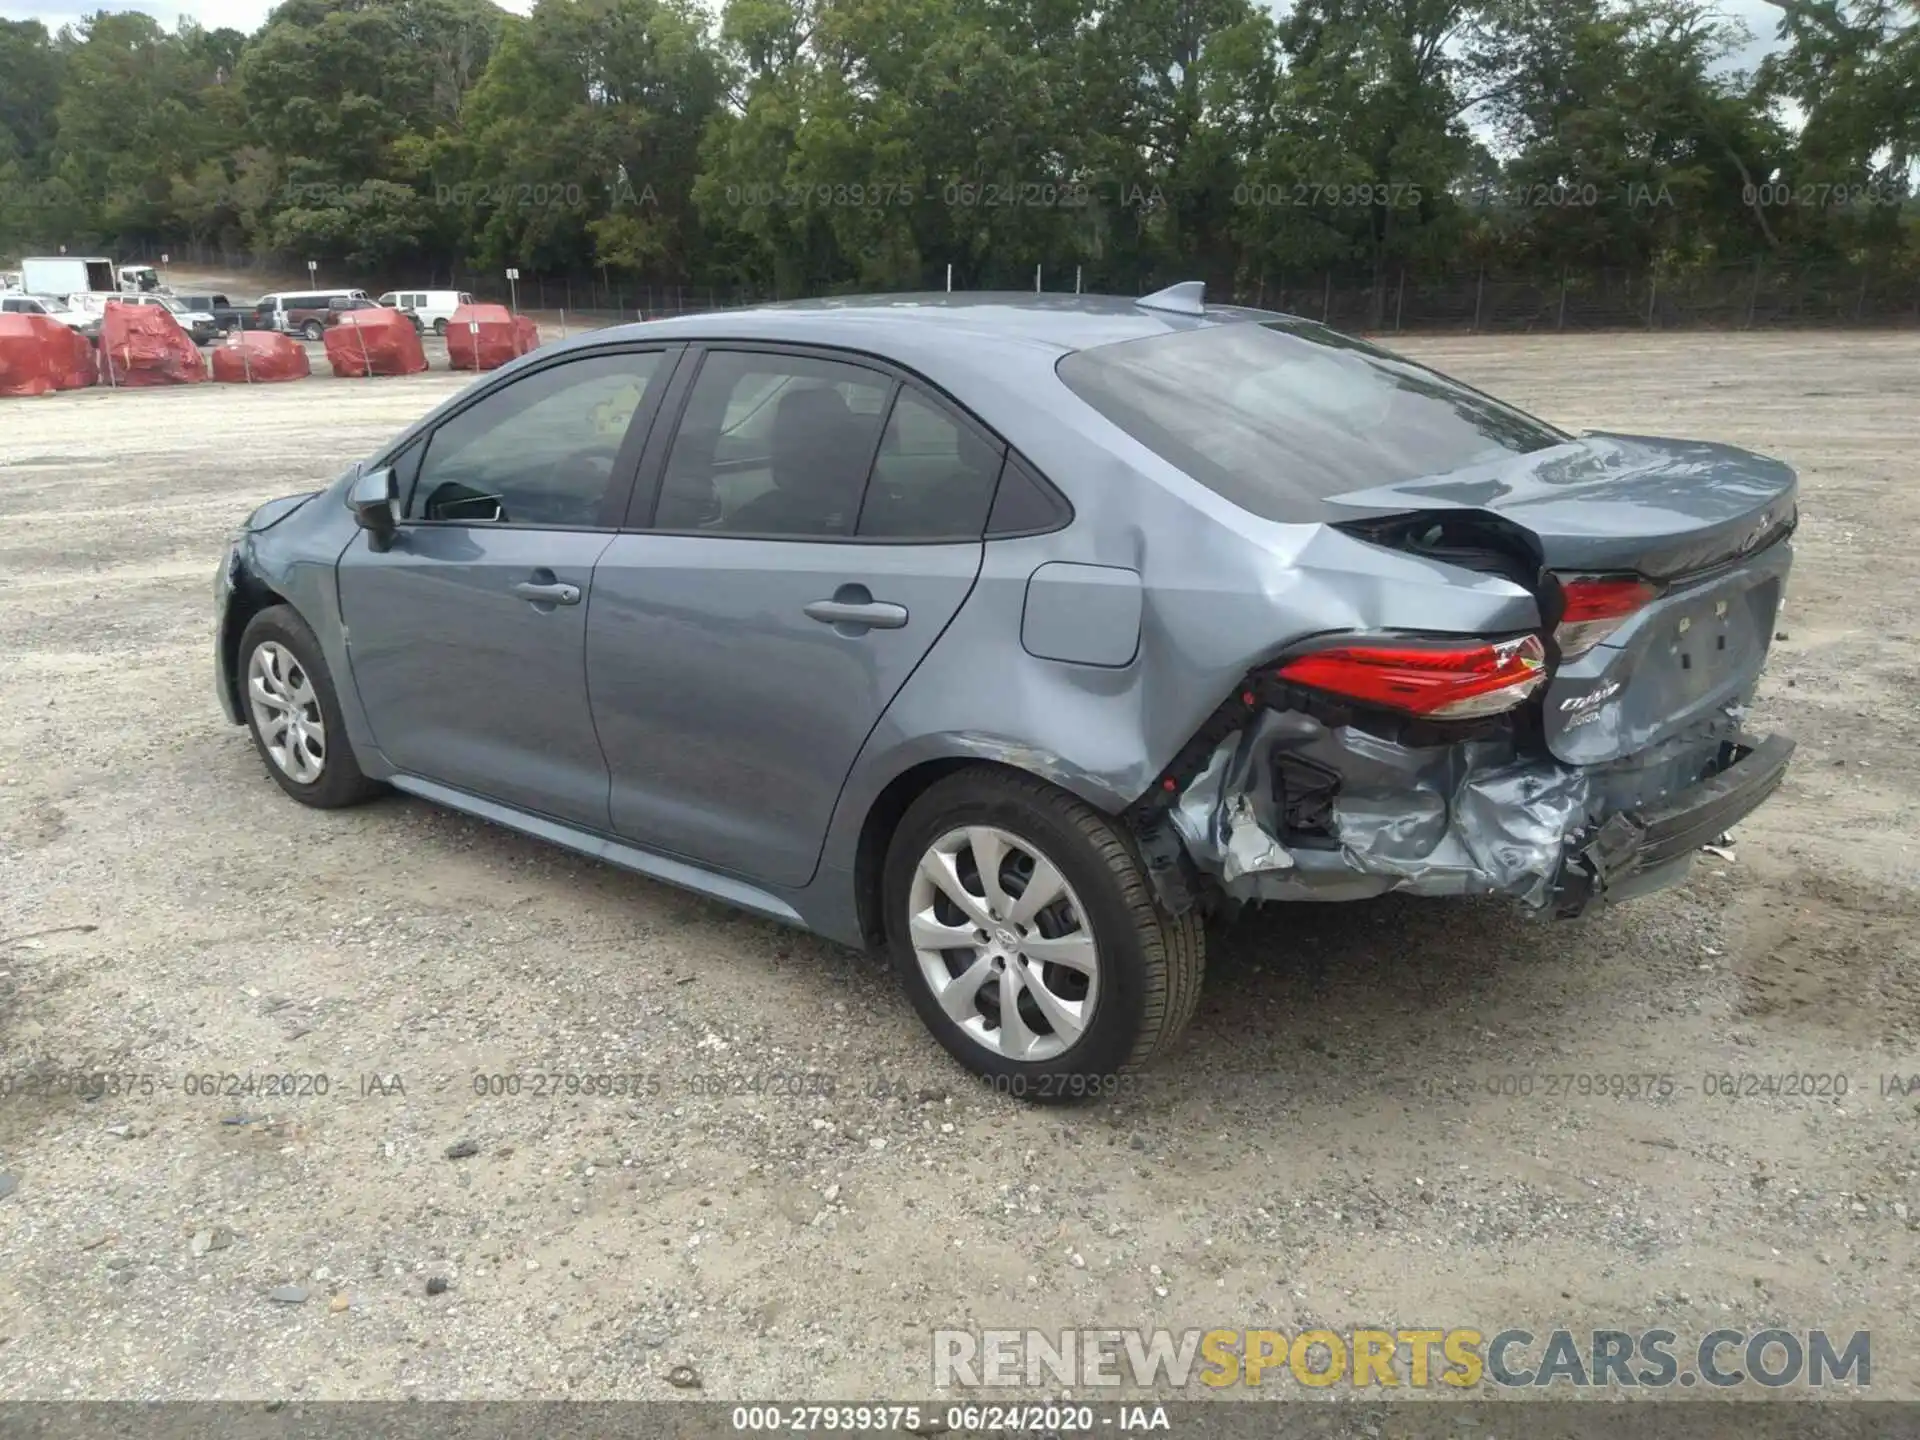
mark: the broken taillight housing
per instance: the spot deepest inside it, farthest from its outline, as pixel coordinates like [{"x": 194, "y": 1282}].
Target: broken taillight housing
[
  {"x": 1596, "y": 606},
  {"x": 1440, "y": 682}
]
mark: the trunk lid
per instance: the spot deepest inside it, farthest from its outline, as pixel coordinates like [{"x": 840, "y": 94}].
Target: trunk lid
[{"x": 1707, "y": 523}]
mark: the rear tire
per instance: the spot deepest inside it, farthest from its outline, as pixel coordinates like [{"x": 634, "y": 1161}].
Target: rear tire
[
  {"x": 314, "y": 330},
  {"x": 440, "y": 328},
  {"x": 1101, "y": 978},
  {"x": 294, "y": 715}
]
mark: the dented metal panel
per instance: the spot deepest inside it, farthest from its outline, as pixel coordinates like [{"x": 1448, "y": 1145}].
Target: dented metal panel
[{"x": 1477, "y": 817}]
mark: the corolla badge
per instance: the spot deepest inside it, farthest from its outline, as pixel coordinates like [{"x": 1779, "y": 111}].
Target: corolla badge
[{"x": 1582, "y": 708}]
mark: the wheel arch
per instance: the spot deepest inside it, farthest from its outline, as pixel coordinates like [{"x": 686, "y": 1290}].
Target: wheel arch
[
  {"x": 881, "y": 814},
  {"x": 250, "y": 596}
]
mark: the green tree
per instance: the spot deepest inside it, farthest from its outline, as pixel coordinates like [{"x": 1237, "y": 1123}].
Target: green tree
[
  {"x": 584, "y": 138},
  {"x": 1628, "y": 142}
]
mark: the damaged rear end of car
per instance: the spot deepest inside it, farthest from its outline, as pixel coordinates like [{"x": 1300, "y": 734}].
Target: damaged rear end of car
[{"x": 1578, "y": 745}]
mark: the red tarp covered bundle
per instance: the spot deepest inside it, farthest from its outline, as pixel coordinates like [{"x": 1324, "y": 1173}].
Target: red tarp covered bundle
[
  {"x": 485, "y": 337},
  {"x": 253, "y": 356},
  {"x": 144, "y": 345},
  {"x": 374, "y": 342},
  {"x": 81, "y": 367},
  {"x": 39, "y": 355}
]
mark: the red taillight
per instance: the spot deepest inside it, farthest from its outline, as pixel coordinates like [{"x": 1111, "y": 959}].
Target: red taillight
[
  {"x": 1595, "y": 608},
  {"x": 1443, "y": 682}
]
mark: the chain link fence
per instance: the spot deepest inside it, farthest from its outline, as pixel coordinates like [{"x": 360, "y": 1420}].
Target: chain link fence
[
  {"x": 1458, "y": 300},
  {"x": 1734, "y": 297}
]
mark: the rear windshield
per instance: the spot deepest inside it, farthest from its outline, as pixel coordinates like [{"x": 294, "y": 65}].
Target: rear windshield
[{"x": 1280, "y": 415}]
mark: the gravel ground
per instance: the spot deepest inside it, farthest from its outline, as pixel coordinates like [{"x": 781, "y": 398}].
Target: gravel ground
[{"x": 1323, "y": 1149}]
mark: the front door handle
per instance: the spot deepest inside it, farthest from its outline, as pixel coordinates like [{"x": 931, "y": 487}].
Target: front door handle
[
  {"x": 548, "y": 593},
  {"x": 854, "y": 611}
]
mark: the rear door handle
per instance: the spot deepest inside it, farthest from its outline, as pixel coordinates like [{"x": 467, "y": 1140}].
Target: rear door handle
[
  {"x": 549, "y": 593},
  {"x": 866, "y": 614}
]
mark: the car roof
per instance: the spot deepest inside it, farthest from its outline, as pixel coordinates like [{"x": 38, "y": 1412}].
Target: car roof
[
  {"x": 994, "y": 353},
  {"x": 1062, "y": 322},
  {"x": 962, "y": 340}
]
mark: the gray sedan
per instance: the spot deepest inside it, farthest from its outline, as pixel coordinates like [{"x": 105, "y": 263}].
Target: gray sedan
[{"x": 1021, "y": 634}]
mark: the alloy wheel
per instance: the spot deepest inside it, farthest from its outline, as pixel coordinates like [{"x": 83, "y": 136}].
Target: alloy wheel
[
  {"x": 1004, "y": 944},
  {"x": 286, "y": 712}
]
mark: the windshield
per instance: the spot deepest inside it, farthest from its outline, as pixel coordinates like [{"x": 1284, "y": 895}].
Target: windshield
[
  {"x": 1279, "y": 415},
  {"x": 174, "y": 305}
]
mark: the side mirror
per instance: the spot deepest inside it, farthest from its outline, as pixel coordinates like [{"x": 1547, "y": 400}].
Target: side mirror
[{"x": 375, "y": 501}]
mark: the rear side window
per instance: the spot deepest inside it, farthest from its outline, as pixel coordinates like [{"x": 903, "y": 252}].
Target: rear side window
[
  {"x": 1025, "y": 504},
  {"x": 933, "y": 478},
  {"x": 1281, "y": 415},
  {"x": 773, "y": 445}
]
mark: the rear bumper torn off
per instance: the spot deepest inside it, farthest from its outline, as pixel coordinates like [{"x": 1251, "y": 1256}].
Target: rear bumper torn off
[
  {"x": 1633, "y": 851},
  {"x": 1289, "y": 808}
]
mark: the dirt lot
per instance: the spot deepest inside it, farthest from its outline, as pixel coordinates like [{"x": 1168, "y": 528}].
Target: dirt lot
[{"x": 1323, "y": 1149}]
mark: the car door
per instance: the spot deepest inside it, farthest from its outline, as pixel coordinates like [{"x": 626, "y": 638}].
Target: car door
[
  {"x": 466, "y": 638},
  {"x": 752, "y": 624}
]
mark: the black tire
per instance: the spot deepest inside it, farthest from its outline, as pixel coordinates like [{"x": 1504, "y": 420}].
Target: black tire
[
  {"x": 340, "y": 781},
  {"x": 314, "y": 330},
  {"x": 440, "y": 328},
  {"x": 1151, "y": 963}
]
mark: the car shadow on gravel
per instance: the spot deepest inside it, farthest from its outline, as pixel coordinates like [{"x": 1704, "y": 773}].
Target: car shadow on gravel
[{"x": 1338, "y": 1001}]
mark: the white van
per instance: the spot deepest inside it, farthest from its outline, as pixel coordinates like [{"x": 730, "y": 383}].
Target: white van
[{"x": 431, "y": 309}]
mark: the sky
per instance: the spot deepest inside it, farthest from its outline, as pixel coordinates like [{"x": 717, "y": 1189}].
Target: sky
[{"x": 246, "y": 16}]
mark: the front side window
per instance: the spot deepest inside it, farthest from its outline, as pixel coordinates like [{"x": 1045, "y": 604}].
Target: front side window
[
  {"x": 541, "y": 450},
  {"x": 1281, "y": 415},
  {"x": 773, "y": 445},
  {"x": 933, "y": 478}
]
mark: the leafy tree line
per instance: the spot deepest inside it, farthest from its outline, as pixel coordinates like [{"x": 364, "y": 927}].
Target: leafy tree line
[{"x": 808, "y": 144}]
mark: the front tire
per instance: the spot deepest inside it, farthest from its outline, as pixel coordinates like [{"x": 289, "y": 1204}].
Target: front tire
[
  {"x": 1024, "y": 927},
  {"x": 294, "y": 715},
  {"x": 440, "y": 328}
]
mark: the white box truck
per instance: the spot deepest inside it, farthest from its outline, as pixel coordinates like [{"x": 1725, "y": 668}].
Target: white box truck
[{"x": 67, "y": 274}]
